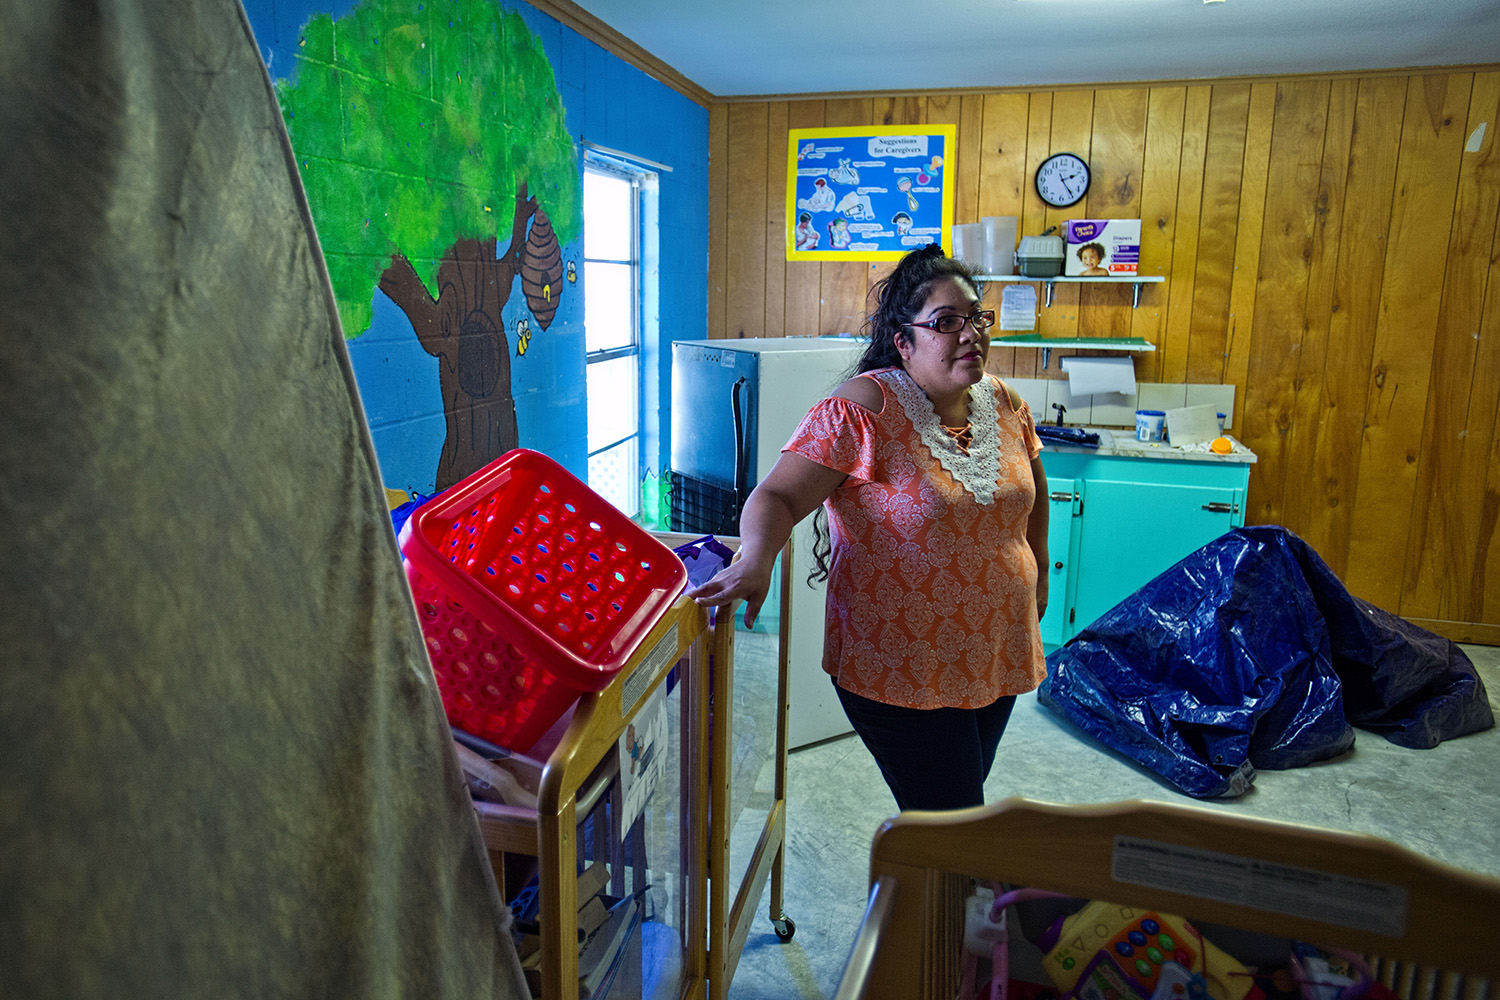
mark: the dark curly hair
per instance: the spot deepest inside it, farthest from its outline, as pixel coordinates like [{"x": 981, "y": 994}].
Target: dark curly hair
[
  {"x": 899, "y": 296},
  {"x": 1098, "y": 249}
]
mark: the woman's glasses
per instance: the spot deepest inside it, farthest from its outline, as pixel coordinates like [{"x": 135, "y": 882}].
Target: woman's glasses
[{"x": 953, "y": 324}]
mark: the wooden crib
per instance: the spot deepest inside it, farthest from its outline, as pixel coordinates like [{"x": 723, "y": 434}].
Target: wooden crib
[{"x": 1429, "y": 931}]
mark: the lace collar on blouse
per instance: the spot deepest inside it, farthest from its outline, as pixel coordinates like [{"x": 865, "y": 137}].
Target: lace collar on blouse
[{"x": 978, "y": 468}]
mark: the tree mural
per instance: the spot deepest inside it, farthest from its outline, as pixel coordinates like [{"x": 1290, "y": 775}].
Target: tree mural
[{"x": 424, "y": 131}]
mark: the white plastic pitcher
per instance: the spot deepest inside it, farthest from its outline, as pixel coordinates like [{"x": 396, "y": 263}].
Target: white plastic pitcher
[
  {"x": 968, "y": 244},
  {"x": 999, "y": 244}
]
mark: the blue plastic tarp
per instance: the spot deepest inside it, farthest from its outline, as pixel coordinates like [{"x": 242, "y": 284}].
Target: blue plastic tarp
[{"x": 1250, "y": 653}]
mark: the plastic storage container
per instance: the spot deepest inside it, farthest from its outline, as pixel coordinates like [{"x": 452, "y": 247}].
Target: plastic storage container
[
  {"x": 1150, "y": 425},
  {"x": 1040, "y": 256},
  {"x": 531, "y": 590}
]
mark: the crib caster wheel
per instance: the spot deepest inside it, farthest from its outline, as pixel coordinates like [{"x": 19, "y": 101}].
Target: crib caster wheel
[{"x": 784, "y": 928}]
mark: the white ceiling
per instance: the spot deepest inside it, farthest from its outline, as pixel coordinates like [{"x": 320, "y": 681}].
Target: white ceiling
[{"x": 749, "y": 47}]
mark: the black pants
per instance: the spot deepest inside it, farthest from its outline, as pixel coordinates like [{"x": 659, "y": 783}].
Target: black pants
[{"x": 933, "y": 758}]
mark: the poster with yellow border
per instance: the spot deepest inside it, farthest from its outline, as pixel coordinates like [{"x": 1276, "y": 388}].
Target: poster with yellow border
[{"x": 867, "y": 192}]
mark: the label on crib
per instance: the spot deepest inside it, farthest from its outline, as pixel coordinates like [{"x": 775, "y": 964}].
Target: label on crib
[
  {"x": 1230, "y": 878},
  {"x": 661, "y": 655}
]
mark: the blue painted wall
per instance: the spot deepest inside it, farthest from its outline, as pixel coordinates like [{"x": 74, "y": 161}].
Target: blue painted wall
[{"x": 609, "y": 102}]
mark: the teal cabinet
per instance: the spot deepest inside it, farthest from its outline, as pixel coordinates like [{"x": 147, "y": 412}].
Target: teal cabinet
[
  {"x": 1128, "y": 518},
  {"x": 1063, "y": 505},
  {"x": 1131, "y": 531}
]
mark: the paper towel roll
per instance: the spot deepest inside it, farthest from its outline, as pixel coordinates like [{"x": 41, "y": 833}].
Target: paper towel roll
[{"x": 1088, "y": 376}]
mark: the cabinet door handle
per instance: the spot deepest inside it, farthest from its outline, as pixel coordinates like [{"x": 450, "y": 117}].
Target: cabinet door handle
[
  {"x": 1061, "y": 497},
  {"x": 1057, "y": 565},
  {"x": 1219, "y": 507}
]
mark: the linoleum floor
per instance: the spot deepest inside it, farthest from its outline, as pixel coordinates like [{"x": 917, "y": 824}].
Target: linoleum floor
[{"x": 1440, "y": 802}]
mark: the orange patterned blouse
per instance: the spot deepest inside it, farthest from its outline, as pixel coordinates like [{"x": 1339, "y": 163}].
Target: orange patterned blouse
[{"x": 932, "y": 591}]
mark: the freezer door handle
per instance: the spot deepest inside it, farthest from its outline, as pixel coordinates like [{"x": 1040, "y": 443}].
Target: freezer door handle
[{"x": 741, "y": 448}]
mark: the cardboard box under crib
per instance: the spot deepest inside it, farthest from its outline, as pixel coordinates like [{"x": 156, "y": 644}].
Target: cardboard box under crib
[{"x": 1099, "y": 248}]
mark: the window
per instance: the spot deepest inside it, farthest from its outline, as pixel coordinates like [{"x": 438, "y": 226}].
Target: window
[{"x": 612, "y": 291}]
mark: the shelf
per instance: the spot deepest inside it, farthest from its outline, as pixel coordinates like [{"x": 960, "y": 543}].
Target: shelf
[
  {"x": 1131, "y": 344},
  {"x": 1137, "y": 281}
]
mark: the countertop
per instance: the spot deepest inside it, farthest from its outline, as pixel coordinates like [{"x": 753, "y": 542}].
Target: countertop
[{"x": 1122, "y": 443}]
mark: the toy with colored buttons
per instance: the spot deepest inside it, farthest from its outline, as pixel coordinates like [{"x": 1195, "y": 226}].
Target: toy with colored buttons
[
  {"x": 1143, "y": 946},
  {"x": 1103, "y": 979},
  {"x": 1139, "y": 942}
]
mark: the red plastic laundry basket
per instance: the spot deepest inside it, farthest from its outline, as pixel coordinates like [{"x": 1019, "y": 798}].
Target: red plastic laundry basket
[{"x": 531, "y": 589}]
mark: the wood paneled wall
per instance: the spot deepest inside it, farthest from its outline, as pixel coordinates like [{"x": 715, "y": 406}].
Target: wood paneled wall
[{"x": 1329, "y": 247}]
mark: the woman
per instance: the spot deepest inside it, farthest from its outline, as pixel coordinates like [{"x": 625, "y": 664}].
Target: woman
[{"x": 936, "y": 503}]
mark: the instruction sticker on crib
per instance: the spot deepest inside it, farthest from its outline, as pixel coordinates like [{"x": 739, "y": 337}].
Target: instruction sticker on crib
[
  {"x": 663, "y": 654},
  {"x": 643, "y": 757},
  {"x": 1229, "y": 878}
]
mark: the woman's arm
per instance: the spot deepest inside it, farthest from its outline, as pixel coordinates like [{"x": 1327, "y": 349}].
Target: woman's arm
[
  {"x": 793, "y": 489},
  {"x": 1036, "y": 533}
]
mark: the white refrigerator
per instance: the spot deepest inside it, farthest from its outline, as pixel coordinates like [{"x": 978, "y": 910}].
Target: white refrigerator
[{"x": 735, "y": 403}]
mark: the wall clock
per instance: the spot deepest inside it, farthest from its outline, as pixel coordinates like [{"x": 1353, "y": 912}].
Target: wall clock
[{"x": 1062, "y": 179}]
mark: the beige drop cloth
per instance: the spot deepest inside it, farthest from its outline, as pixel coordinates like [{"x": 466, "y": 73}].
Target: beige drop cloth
[{"x": 224, "y": 770}]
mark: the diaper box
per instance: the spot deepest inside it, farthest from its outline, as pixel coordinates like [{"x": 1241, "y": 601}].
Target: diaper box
[{"x": 1098, "y": 248}]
